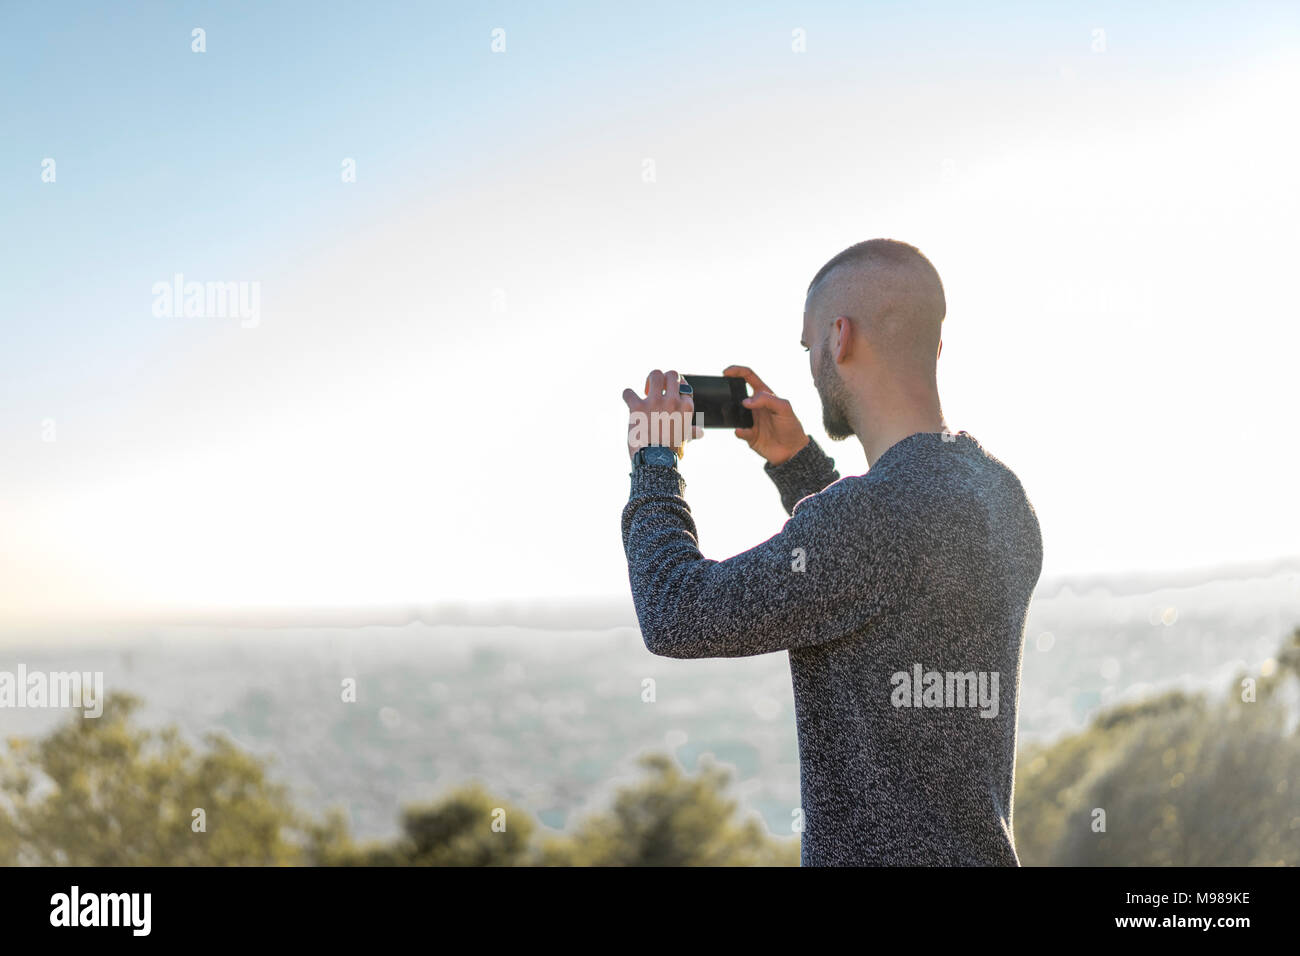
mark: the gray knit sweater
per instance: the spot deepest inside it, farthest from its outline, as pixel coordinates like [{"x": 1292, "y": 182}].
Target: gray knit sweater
[{"x": 901, "y": 597}]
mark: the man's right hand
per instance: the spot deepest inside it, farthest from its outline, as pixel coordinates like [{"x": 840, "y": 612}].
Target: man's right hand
[{"x": 777, "y": 434}]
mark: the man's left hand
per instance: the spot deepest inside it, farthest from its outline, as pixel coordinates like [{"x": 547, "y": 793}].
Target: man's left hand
[{"x": 664, "y": 417}]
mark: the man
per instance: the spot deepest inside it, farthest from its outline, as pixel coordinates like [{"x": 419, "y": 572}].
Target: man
[{"x": 900, "y": 594}]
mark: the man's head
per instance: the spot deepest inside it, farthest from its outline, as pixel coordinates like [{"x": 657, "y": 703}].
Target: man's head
[{"x": 872, "y": 323}]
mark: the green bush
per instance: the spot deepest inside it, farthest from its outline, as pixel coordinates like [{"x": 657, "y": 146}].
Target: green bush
[
  {"x": 106, "y": 793},
  {"x": 1183, "y": 781}
]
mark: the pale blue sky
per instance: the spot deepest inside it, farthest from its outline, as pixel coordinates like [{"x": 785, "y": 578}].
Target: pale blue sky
[{"x": 1114, "y": 229}]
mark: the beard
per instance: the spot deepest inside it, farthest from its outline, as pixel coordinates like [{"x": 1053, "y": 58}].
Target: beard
[{"x": 835, "y": 399}]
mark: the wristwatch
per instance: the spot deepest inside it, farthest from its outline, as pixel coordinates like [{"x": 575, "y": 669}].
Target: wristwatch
[{"x": 655, "y": 455}]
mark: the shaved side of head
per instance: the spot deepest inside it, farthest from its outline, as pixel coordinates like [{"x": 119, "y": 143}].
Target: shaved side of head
[{"x": 894, "y": 297}]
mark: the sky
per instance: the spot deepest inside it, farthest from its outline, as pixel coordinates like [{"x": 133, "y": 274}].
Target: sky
[{"x": 427, "y": 404}]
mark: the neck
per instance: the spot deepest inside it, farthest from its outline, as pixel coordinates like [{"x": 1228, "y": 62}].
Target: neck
[{"x": 881, "y": 431}]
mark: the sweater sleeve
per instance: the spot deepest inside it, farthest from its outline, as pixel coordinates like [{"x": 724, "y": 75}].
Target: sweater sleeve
[
  {"x": 809, "y": 583},
  {"x": 807, "y": 473}
]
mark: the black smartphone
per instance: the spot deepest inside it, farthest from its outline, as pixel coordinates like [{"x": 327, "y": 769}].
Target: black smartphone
[{"x": 719, "y": 398}]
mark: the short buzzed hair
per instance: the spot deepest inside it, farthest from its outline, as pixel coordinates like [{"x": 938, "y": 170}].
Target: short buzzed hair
[{"x": 884, "y": 251}]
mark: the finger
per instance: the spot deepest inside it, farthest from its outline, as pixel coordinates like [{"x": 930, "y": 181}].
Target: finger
[
  {"x": 671, "y": 384},
  {"x": 696, "y": 432},
  {"x": 747, "y": 373},
  {"x": 768, "y": 401},
  {"x": 631, "y": 397},
  {"x": 654, "y": 384},
  {"x": 748, "y": 434}
]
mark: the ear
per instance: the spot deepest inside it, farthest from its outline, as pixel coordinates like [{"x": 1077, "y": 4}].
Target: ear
[{"x": 843, "y": 337}]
